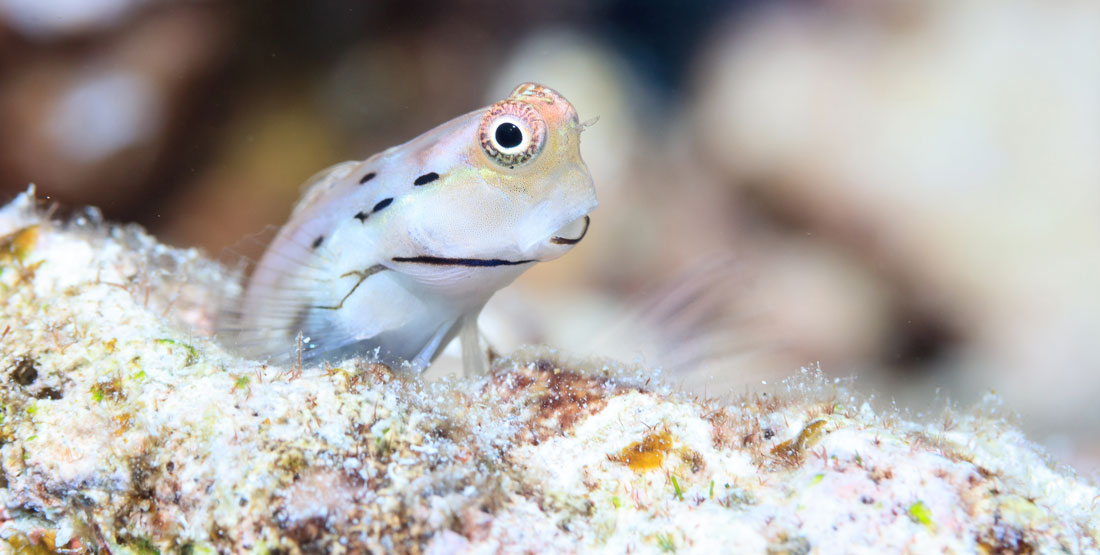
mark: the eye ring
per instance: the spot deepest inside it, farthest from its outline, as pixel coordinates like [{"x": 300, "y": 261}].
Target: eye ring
[{"x": 512, "y": 133}]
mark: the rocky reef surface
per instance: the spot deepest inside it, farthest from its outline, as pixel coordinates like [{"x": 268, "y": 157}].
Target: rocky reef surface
[{"x": 126, "y": 429}]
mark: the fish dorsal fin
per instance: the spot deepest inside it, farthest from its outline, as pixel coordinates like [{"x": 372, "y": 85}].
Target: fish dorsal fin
[{"x": 322, "y": 182}]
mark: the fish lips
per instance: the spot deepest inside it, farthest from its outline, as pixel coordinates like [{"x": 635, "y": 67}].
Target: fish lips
[
  {"x": 573, "y": 232},
  {"x": 549, "y": 247}
]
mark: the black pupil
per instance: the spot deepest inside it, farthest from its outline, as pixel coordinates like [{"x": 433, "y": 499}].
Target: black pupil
[{"x": 508, "y": 135}]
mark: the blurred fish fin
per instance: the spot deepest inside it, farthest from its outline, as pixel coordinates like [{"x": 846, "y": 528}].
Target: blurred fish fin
[
  {"x": 682, "y": 324},
  {"x": 474, "y": 358},
  {"x": 261, "y": 319}
]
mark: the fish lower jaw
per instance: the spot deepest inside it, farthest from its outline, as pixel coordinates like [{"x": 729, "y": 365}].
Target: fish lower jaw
[{"x": 462, "y": 284}]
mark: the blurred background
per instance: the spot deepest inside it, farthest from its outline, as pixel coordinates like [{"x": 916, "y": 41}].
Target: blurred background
[{"x": 903, "y": 191}]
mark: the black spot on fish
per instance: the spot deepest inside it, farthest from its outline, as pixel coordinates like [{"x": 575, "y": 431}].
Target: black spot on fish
[
  {"x": 361, "y": 217},
  {"x": 317, "y": 242},
  {"x": 426, "y": 178},
  {"x": 382, "y": 204},
  {"x": 367, "y": 178}
]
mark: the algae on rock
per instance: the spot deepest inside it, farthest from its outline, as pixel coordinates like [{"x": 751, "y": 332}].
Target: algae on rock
[{"x": 126, "y": 427}]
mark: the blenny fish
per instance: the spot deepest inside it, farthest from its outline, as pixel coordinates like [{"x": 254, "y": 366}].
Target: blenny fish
[{"x": 393, "y": 256}]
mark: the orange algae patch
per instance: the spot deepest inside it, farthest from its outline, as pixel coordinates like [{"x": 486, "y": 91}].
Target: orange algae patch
[
  {"x": 19, "y": 244},
  {"x": 16, "y": 246},
  {"x": 647, "y": 454}
]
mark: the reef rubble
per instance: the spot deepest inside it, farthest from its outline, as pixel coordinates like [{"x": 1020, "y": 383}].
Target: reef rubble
[{"x": 126, "y": 428}]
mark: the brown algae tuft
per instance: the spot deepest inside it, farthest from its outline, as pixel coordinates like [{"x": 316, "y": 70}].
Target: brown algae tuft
[{"x": 792, "y": 450}]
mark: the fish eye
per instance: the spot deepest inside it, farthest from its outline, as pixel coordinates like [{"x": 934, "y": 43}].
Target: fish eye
[
  {"x": 508, "y": 135},
  {"x": 512, "y": 133}
]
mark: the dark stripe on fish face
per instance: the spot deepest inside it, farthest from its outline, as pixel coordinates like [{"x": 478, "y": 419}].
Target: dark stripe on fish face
[
  {"x": 563, "y": 241},
  {"x": 361, "y": 216},
  {"x": 382, "y": 204},
  {"x": 367, "y": 178},
  {"x": 317, "y": 242},
  {"x": 426, "y": 178},
  {"x": 472, "y": 262}
]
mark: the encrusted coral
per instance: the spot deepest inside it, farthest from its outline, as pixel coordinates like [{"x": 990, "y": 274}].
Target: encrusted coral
[{"x": 125, "y": 427}]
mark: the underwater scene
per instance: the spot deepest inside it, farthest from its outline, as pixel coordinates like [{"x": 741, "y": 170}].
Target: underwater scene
[{"x": 806, "y": 276}]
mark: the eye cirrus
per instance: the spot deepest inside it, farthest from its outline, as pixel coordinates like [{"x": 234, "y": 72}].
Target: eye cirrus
[{"x": 512, "y": 133}]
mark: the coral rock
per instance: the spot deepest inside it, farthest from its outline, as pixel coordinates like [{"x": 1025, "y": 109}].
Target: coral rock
[{"x": 126, "y": 427}]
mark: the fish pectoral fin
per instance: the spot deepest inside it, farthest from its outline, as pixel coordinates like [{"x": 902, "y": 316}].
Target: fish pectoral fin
[
  {"x": 474, "y": 360},
  {"x": 435, "y": 344}
]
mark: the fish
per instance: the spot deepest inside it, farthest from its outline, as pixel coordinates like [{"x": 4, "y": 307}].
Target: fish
[{"x": 393, "y": 256}]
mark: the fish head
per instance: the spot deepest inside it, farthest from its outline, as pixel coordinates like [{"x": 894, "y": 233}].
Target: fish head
[{"x": 513, "y": 186}]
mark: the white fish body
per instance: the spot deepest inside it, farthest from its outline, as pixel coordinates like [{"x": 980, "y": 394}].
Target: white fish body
[{"x": 395, "y": 254}]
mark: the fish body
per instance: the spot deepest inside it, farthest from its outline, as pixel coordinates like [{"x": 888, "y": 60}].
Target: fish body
[{"x": 394, "y": 255}]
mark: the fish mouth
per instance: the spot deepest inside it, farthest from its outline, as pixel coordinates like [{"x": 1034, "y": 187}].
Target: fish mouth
[
  {"x": 468, "y": 262},
  {"x": 566, "y": 241}
]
